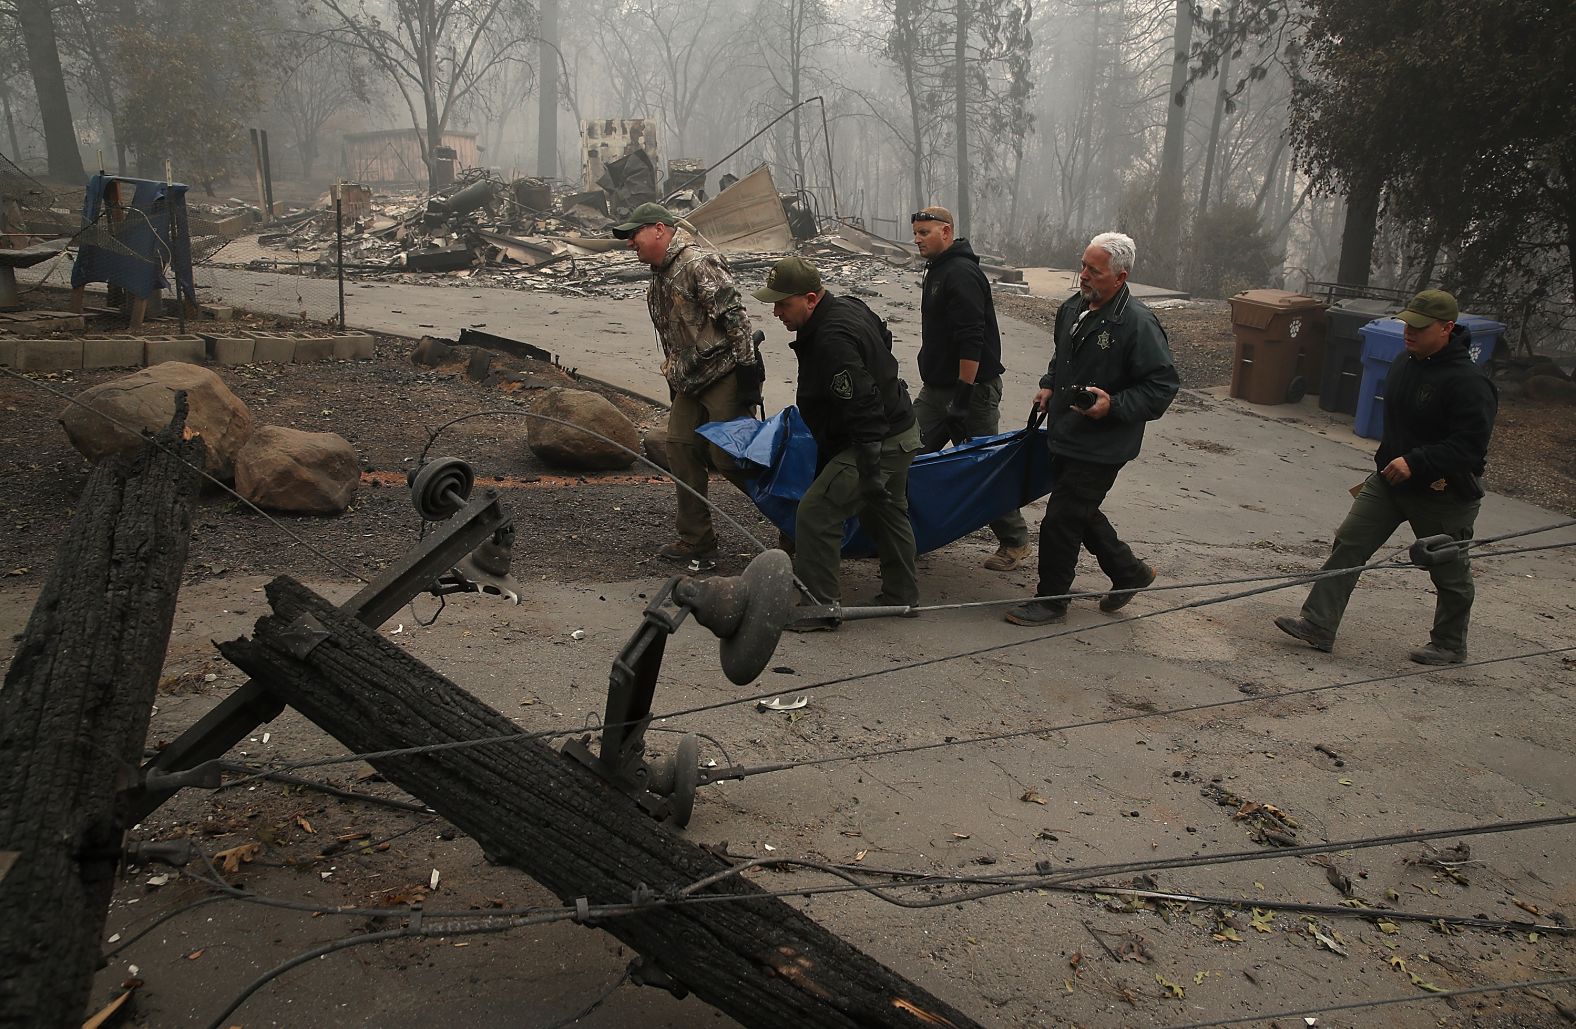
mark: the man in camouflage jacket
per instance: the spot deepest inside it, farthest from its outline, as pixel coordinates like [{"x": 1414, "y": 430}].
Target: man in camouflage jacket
[{"x": 713, "y": 370}]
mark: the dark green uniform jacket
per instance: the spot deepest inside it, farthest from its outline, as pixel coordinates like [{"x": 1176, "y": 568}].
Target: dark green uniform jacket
[
  {"x": 1438, "y": 414},
  {"x": 849, "y": 390},
  {"x": 1122, "y": 349},
  {"x": 957, "y": 319}
]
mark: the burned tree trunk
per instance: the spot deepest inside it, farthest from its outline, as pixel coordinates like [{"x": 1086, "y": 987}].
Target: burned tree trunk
[
  {"x": 754, "y": 957},
  {"x": 74, "y": 716}
]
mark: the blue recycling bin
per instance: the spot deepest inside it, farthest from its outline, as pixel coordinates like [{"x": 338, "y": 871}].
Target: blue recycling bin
[
  {"x": 1383, "y": 342},
  {"x": 1486, "y": 334}
]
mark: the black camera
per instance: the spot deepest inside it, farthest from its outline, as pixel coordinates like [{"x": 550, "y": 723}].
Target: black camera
[{"x": 1083, "y": 398}]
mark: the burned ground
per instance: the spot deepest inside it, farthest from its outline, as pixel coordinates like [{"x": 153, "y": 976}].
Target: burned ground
[
  {"x": 571, "y": 527},
  {"x": 1447, "y": 749}
]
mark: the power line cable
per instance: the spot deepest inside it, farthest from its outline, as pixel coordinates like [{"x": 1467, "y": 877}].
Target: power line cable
[
  {"x": 915, "y": 748},
  {"x": 490, "y": 922},
  {"x": 1040, "y": 878}
]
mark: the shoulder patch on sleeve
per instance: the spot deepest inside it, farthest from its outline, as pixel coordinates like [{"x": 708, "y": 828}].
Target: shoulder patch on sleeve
[{"x": 843, "y": 385}]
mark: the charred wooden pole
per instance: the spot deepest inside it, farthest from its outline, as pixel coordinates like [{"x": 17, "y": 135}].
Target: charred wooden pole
[
  {"x": 752, "y": 956},
  {"x": 74, "y": 717}
]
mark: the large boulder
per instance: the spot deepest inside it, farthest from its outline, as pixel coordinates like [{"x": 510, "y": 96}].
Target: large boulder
[
  {"x": 144, "y": 401},
  {"x": 564, "y": 446},
  {"x": 1549, "y": 387},
  {"x": 284, "y": 469}
]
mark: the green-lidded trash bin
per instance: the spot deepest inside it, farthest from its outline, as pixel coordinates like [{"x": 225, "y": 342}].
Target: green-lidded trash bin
[
  {"x": 1280, "y": 345},
  {"x": 1342, "y": 376}
]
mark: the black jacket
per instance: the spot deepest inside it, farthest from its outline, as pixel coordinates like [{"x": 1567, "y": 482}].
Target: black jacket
[
  {"x": 1122, "y": 349},
  {"x": 957, "y": 318},
  {"x": 849, "y": 391},
  {"x": 1438, "y": 414}
]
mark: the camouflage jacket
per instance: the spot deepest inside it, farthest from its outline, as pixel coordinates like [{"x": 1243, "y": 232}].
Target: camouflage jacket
[{"x": 699, "y": 316}]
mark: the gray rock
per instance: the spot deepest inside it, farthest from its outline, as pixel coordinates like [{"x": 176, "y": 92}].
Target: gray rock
[
  {"x": 567, "y": 447},
  {"x": 145, "y": 401},
  {"x": 284, "y": 469}
]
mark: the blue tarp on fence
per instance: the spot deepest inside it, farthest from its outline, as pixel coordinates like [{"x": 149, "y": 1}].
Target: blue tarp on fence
[
  {"x": 139, "y": 216},
  {"x": 950, "y": 494}
]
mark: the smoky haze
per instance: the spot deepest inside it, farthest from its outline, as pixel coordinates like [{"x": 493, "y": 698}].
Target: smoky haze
[{"x": 1228, "y": 140}]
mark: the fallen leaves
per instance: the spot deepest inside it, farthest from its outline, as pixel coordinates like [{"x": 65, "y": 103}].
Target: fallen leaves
[
  {"x": 1030, "y": 797},
  {"x": 1176, "y": 991},
  {"x": 1417, "y": 980},
  {"x": 235, "y": 857},
  {"x": 1331, "y": 940}
]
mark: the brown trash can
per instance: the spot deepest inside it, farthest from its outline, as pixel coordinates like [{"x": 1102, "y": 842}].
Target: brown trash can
[{"x": 1280, "y": 345}]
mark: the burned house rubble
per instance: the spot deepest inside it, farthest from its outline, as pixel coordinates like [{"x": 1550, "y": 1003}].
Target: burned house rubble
[{"x": 535, "y": 235}]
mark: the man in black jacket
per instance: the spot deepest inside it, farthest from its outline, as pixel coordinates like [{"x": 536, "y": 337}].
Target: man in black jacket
[
  {"x": 960, "y": 360},
  {"x": 859, "y": 413},
  {"x": 1110, "y": 373},
  {"x": 1438, "y": 415}
]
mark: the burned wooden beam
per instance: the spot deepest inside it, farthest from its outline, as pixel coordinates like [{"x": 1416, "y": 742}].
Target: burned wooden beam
[
  {"x": 752, "y": 956},
  {"x": 74, "y": 717}
]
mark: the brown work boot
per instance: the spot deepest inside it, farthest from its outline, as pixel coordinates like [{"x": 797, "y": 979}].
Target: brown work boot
[
  {"x": 1302, "y": 629},
  {"x": 693, "y": 558},
  {"x": 1007, "y": 558},
  {"x": 1434, "y": 654},
  {"x": 1118, "y": 599}
]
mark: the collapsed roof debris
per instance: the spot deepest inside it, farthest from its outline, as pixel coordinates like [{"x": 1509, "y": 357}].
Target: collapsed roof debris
[{"x": 527, "y": 234}]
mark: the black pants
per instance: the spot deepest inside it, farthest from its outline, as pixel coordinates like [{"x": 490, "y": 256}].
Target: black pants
[{"x": 1073, "y": 519}]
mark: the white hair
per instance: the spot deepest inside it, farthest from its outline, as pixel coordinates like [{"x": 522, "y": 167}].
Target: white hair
[{"x": 1121, "y": 247}]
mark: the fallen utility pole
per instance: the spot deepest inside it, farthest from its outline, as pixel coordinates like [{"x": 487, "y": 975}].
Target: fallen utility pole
[
  {"x": 74, "y": 717},
  {"x": 752, "y": 956}
]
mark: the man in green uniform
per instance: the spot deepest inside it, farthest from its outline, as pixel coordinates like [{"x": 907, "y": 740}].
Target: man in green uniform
[
  {"x": 1439, "y": 412},
  {"x": 708, "y": 358},
  {"x": 859, "y": 412}
]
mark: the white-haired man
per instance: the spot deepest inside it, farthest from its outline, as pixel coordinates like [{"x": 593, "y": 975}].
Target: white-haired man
[{"x": 1110, "y": 372}]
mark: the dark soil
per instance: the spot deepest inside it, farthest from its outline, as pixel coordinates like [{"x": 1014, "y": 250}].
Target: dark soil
[{"x": 572, "y": 528}]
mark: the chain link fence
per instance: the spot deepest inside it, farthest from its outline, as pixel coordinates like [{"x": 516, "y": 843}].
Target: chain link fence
[{"x": 193, "y": 267}]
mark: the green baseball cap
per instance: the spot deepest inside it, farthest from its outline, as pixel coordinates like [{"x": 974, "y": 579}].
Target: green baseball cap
[
  {"x": 790, "y": 277},
  {"x": 1428, "y": 307},
  {"x": 645, "y": 214}
]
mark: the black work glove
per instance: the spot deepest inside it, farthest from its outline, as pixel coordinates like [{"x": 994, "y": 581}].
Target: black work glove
[
  {"x": 872, "y": 477},
  {"x": 750, "y": 378},
  {"x": 957, "y": 415},
  {"x": 935, "y": 439}
]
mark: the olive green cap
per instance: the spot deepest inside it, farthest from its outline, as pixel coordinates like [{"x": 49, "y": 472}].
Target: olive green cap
[
  {"x": 1428, "y": 307},
  {"x": 645, "y": 214},
  {"x": 790, "y": 277}
]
